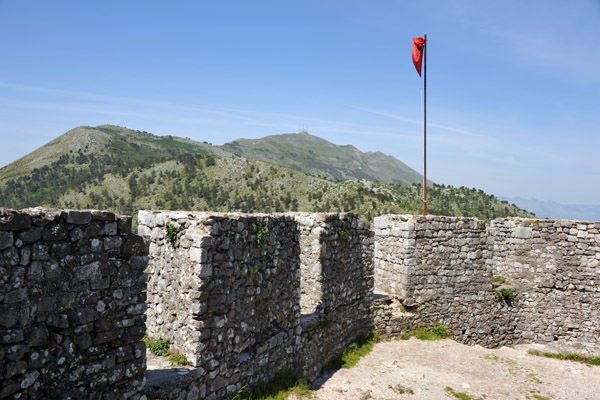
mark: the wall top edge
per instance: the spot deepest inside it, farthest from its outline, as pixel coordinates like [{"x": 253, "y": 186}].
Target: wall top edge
[
  {"x": 444, "y": 218},
  {"x": 204, "y": 214},
  {"x": 11, "y": 219}
]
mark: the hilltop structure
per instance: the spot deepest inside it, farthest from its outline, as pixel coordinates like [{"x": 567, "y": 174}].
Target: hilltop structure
[{"x": 246, "y": 295}]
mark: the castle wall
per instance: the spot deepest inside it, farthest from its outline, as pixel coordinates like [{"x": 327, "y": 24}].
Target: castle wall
[
  {"x": 341, "y": 247},
  {"x": 244, "y": 296},
  {"x": 436, "y": 269},
  {"x": 554, "y": 267},
  {"x": 225, "y": 299},
  {"x": 72, "y": 302},
  {"x": 231, "y": 302},
  {"x": 443, "y": 267}
]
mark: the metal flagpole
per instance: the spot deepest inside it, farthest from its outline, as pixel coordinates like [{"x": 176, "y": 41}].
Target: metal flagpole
[{"x": 425, "y": 129}]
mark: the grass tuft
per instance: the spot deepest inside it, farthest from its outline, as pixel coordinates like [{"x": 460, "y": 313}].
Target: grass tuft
[
  {"x": 436, "y": 332},
  {"x": 285, "y": 383},
  {"x": 179, "y": 360},
  {"x": 159, "y": 347},
  {"x": 171, "y": 233},
  {"x": 581, "y": 358},
  {"x": 460, "y": 395},
  {"x": 359, "y": 348},
  {"x": 507, "y": 294}
]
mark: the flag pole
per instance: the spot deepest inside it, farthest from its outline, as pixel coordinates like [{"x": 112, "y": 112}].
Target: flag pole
[{"x": 425, "y": 129}]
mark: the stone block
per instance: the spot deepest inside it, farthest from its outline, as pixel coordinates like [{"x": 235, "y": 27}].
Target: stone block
[
  {"x": 6, "y": 239},
  {"x": 381, "y": 222},
  {"x": 79, "y": 217},
  {"x": 13, "y": 221},
  {"x": 124, "y": 225},
  {"x": 31, "y": 235},
  {"x": 100, "y": 215},
  {"x": 55, "y": 231},
  {"x": 198, "y": 255},
  {"x": 522, "y": 233}
]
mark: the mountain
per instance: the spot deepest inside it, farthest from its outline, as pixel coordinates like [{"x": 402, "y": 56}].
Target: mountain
[
  {"x": 105, "y": 141},
  {"x": 554, "y": 210},
  {"x": 124, "y": 170},
  {"x": 315, "y": 156}
]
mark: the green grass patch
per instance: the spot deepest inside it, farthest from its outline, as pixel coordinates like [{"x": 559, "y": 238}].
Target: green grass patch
[
  {"x": 359, "y": 348},
  {"x": 159, "y": 347},
  {"x": 507, "y": 294},
  {"x": 179, "y": 360},
  {"x": 285, "y": 383},
  {"x": 499, "y": 280},
  {"x": 460, "y": 395},
  {"x": 436, "y": 332},
  {"x": 540, "y": 397},
  {"x": 171, "y": 233},
  {"x": 261, "y": 235},
  {"x": 581, "y": 358}
]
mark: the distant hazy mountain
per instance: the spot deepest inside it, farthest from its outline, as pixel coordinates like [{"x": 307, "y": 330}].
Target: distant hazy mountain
[
  {"x": 554, "y": 210},
  {"x": 124, "y": 170},
  {"x": 315, "y": 156}
]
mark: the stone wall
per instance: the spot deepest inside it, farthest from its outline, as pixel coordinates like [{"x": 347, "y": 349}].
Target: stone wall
[
  {"x": 554, "y": 269},
  {"x": 436, "y": 270},
  {"x": 72, "y": 302},
  {"x": 443, "y": 267},
  {"x": 244, "y": 296},
  {"x": 227, "y": 293},
  {"x": 225, "y": 299},
  {"x": 340, "y": 250}
]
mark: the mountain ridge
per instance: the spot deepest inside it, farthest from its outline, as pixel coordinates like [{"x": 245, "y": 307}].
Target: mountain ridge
[
  {"x": 316, "y": 156},
  {"x": 124, "y": 170},
  {"x": 555, "y": 210}
]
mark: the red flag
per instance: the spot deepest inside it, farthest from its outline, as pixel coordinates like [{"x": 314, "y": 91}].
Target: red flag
[{"x": 417, "y": 53}]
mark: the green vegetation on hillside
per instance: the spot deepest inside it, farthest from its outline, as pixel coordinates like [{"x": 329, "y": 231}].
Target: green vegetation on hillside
[
  {"x": 315, "y": 156},
  {"x": 124, "y": 171}
]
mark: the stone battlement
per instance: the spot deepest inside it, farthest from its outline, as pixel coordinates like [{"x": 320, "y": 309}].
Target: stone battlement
[
  {"x": 72, "y": 303},
  {"x": 246, "y": 295}
]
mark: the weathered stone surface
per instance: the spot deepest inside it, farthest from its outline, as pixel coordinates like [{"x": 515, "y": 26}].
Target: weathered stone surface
[
  {"x": 245, "y": 295},
  {"x": 229, "y": 293},
  {"x": 57, "y": 304},
  {"x": 79, "y": 217},
  {"x": 6, "y": 240},
  {"x": 548, "y": 266},
  {"x": 554, "y": 276},
  {"x": 100, "y": 215},
  {"x": 11, "y": 220}
]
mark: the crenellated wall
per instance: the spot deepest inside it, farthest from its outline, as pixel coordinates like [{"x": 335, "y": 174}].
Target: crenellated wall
[
  {"x": 437, "y": 269},
  {"x": 244, "y": 296},
  {"x": 226, "y": 291},
  {"x": 72, "y": 302},
  {"x": 341, "y": 247},
  {"x": 554, "y": 267},
  {"x": 443, "y": 269}
]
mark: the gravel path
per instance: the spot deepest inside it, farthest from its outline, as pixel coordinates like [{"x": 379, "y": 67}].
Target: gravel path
[{"x": 426, "y": 368}]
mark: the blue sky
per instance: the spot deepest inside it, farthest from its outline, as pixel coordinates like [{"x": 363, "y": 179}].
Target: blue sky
[{"x": 513, "y": 86}]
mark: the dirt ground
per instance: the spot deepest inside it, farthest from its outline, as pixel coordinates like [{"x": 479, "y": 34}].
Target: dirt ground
[{"x": 415, "y": 369}]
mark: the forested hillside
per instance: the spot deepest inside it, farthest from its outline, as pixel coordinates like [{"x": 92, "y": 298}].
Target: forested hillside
[{"x": 125, "y": 173}]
